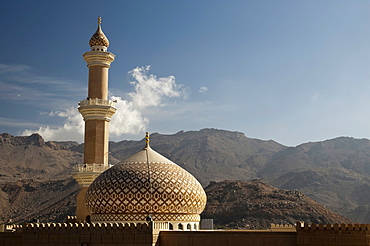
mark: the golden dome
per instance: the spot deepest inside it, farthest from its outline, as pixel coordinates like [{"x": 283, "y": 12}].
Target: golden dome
[
  {"x": 99, "y": 37},
  {"x": 145, "y": 183}
]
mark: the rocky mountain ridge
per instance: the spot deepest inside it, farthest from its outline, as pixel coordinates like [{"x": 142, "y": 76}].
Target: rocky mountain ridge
[{"x": 332, "y": 172}]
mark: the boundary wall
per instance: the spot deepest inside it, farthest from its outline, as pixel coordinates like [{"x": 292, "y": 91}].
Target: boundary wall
[
  {"x": 227, "y": 238},
  {"x": 332, "y": 234},
  {"x": 150, "y": 234},
  {"x": 77, "y": 234}
]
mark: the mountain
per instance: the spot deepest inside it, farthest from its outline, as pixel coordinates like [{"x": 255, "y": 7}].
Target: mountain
[
  {"x": 256, "y": 204},
  {"x": 333, "y": 172},
  {"x": 27, "y": 200},
  {"x": 32, "y": 158},
  {"x": 209, "y": 154},
  {"x": 35, "y": 178}
]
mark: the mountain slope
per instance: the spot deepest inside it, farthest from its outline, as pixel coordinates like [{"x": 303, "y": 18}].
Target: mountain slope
[
  {"x": 47, "y": 201},
  {"x": 333, "y": 172},
  {"x": 31, "y": 158},
  {"x": 255, "y": 204}
]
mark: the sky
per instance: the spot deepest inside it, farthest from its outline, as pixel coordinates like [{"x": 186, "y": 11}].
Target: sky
[{"x": 290, "y": 71}]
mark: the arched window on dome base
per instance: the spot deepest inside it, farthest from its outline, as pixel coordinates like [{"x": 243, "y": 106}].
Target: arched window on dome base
[
  {"x": 180, "y": 226},
  {"x": 88, "y": 219},
  {"x": 188, "y": 227},
  {"x": 170, "y": 226}
]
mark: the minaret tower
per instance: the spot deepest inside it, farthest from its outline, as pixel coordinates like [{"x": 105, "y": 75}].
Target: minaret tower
[{"x": 97, "y": 111}]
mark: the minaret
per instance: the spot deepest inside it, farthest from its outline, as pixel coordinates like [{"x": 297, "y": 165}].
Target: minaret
[{"x": 97, "y": 111}]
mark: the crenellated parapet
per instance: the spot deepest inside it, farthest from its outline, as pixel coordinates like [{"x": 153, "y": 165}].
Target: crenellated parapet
[
  {"x": 282, "y": 228},
  {"x": 332, "y": 227},
  {"x": 71, "y": 219},
  {"x": 87, "y": 227},
  {"x": 87, "y": 234},
  {"x": 10, "y": 228},
  {"x": 332, "y": 234}
]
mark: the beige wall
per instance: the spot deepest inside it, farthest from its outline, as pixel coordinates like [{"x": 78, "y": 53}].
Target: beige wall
[
  {"x": 98, "y": 82},
  {"x": 227, "y": 238},
  {"x": 77, "y": 234},
  {"x": 333, "y": 234},
  {"x": 10, "y": 239},
  {"x": 81, "y": 209}
]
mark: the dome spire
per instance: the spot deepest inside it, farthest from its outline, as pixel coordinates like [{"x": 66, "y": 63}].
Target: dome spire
[{"x": 147, "y": 139}]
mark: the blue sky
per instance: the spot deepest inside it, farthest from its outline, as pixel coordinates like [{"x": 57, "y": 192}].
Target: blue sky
[{"x": 291, "y": 71}]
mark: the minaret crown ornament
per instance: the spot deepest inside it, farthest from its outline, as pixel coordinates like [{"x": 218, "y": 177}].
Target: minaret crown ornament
[
  {"x": 99, "y": 37},
  {"x": 98, "y": 56}
]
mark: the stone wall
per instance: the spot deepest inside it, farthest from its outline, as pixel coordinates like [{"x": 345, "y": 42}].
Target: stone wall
[
  {"x": 146, "y": 234},
  {"x": 227, "y": 238},
  {"x": 76, "y": 234},
  {"x": 9, "y": 238},
  {"x": 333, "y": 234}
]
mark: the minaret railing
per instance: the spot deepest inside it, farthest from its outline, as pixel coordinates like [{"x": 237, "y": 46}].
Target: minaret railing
[{"x": 97, "y": 101}]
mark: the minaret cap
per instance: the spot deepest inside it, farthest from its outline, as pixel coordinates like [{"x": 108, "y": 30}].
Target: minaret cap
[{"x": 99, "y": 37}]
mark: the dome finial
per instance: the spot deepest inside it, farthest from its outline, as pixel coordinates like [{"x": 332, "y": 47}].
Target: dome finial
[
  {"x": 99, "y": 20},
  {"x": 147, "y": 139}
]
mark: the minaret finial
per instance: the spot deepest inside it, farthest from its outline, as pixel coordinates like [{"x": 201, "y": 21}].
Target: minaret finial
[
  {"x": 99, "y": 38},
  {"x": 147, "y": 139}
]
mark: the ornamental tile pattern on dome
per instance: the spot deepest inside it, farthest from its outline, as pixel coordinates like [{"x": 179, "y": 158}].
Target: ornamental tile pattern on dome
[
  {"x": 142, "y": 217},
  {"x": 135, "y": 188}
]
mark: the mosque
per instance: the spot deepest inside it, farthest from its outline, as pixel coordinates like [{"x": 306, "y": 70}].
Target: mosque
[{"x": 147, "y": 199}]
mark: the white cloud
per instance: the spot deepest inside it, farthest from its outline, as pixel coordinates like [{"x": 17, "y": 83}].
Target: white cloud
[
  {"x": 4, "y": 68},
  {"x": 203, "y": 89},
  {"x": 149, "y": 91},
  {"x": 72, "y": 129}
]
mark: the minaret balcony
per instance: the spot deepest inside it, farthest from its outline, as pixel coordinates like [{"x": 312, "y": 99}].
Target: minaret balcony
[
  {"x": 97, "y": 109},
  {"x": 97, "y": 101},
  {"x": 96, "y": 58},
  {"x": 86, "y": 168},
  {"x": 85, "y": 174}
]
